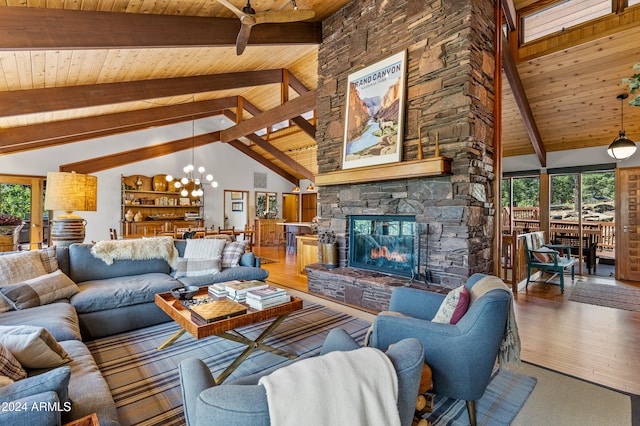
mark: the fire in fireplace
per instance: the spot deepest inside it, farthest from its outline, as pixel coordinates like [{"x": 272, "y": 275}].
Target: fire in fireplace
[{"x": 382, "y": 243}]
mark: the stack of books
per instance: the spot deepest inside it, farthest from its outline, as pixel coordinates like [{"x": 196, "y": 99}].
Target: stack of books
[
  {"x": 216, "y": 310},
  {"x": 218, "y": 291},
  {"x": 238, "y": 291},
  {"x": 266, "y": 297}
]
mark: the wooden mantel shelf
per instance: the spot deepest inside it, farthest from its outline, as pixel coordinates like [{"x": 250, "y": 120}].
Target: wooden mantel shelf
[{"x": 435, "y": 166}]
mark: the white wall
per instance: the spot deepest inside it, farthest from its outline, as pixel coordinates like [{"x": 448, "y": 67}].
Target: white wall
[
  {"x": 569, "y": 158},
  {"x": 231, "y": 168}
]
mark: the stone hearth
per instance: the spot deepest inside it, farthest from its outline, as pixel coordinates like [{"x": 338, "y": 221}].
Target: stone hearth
[{"x": 358, "y": 287}]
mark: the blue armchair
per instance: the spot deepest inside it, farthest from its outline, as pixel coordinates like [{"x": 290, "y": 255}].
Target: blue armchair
[
  {"x": 244, "y": 401},
  {"x": 461, "y": 356}
]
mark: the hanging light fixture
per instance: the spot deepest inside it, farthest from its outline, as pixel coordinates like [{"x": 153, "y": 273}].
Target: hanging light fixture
[
  {"x": 622, "y": 147},
  {"x": 297, "y": 187},
  {"x": 190, "y": 181}
]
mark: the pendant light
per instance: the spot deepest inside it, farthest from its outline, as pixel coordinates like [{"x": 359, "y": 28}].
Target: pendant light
[
  {"x": 622, "y": 147},
  {"x": 311, "y": 188}
]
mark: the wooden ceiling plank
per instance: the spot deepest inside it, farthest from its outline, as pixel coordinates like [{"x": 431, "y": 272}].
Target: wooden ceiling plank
[
  {"x": 140, "y": 154},
  {"x": 289, "y": 110},
  {"x": 66, "y": 131},
  {"x": 511, "y": 72},
  {"x": 268, "y": 164},
  {"x": 59, "y": 98},
  {"x": 48, "y": 28}
]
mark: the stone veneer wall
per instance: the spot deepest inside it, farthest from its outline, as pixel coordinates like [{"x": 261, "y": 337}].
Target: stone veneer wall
[{"x": 450, "y": 65}]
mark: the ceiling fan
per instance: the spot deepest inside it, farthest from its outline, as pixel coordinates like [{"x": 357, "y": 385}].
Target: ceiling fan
[{"x": 249, "y": 18}]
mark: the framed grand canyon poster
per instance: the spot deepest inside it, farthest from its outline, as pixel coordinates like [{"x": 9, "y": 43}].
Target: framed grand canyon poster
[{"x": 375, "y": 105}]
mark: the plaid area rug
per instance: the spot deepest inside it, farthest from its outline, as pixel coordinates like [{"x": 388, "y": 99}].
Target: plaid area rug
[
  {"x": 506, "y": 394},
  {"x": 610, "y": 296},
  {"x": 145, "y": 383}
]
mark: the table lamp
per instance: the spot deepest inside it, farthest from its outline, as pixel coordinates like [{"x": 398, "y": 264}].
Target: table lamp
[{"x": 70, "y": 192}]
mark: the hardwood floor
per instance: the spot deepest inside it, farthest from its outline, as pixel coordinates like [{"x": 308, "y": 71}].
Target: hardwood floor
[{"x": 601, "y": 345}]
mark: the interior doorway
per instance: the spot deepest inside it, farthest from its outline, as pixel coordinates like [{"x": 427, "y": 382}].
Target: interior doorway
[
  {"x": 23, "y": 196},
  {"x": 236, "y": 209}
]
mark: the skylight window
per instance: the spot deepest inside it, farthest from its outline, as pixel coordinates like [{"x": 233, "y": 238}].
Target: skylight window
[{"x": 563, "y": 15}]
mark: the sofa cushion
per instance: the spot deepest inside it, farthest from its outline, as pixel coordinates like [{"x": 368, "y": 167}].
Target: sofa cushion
[
  {"x": 56, "y": 380},
  {"x": 111, "y": 293},
  {"x": 454, "y": 306},
  {"x": 9, "y": 365},
  {"x": 33, "y": 347},
  {"x": 59, "y": 318},
  {"x": 85, "y": 267},
  {"x": 228, "y": 274},
  {"x": 232, "y": 253},
  {"x": 88, "y": 389},
  {"x": 38, "y": 291},
  {"x": 197, "y": 267}
]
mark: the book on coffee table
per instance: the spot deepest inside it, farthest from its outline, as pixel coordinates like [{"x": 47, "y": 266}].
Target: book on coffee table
[{"x": 216, "y": 310}]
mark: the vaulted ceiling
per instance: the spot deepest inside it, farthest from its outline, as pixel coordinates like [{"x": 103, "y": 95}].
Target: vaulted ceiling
[{"x": 78, "y": 70}]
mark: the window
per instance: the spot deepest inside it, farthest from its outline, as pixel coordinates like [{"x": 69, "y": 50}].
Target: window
[{"x": 563, "y": 15}]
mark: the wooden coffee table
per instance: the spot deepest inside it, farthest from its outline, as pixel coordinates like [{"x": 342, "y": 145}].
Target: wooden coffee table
[{"x": 226, "y": 328}]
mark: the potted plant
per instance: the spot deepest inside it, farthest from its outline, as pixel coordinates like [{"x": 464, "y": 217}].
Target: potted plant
[
  {"x": 10, "y": 227},
  {"x": 328, "y": 249}
]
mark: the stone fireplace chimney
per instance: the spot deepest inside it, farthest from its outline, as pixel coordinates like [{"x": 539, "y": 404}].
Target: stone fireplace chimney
[{"x": 449, "y": 96}]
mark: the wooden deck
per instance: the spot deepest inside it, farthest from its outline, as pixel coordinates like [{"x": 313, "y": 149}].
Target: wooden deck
[{"x": 597, "y": 344}]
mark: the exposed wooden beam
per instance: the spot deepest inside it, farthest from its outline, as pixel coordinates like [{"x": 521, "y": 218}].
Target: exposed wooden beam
[
  {"x": 293, "y": 108},
  {"x": 17, "y": 102},
  {"x": 511, "y": 71},
  {"x": 23, "y": 138},
  {"x": 260, "y": 159},
  {"x": 140, "y": 154},
  {"x": 31, "y": 28},
  {"x": 305, "y": 126}
]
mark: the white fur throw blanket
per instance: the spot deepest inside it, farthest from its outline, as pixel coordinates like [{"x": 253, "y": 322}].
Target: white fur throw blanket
[
  {"x": 354, "y": 388},
  {"x": 137, "y": 249}
]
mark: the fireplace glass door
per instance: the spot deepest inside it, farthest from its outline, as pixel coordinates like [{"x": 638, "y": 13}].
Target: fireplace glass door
[{"x": 382, "y": 243}]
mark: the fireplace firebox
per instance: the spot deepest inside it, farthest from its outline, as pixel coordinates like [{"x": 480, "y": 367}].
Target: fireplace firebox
[{"x": 382, "y": 243}]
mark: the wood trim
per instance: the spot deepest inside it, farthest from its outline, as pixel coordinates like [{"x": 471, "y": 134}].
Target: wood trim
[
  {"x": 35, "y": 28},
  {"x": 25, "y": 138},
  {"x": 499, "y": 41},
  {"x": 293, "y": 108},
  {"x": 510, "y": 16},
  {"x": 18, "y": 102},
  {"x": 127, "y": 157},
  {"x": 511, "y": 71},
  {"x": 436, "y": 166}
]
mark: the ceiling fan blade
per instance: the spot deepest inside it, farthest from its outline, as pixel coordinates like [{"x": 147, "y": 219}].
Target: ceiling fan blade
[
  {"x": 232, "y": 8},
  {"x": 242, "y": 39},
  {"x": 279, "y": 16}
]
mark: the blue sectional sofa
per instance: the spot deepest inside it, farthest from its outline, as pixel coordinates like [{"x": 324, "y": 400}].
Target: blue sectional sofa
[{"x": 110, "y": 299}]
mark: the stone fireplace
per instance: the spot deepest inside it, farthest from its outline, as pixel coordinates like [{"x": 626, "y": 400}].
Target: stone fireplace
[{"x": 449, "y": 98}]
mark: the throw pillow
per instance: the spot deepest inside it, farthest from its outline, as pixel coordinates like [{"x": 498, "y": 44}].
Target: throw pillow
[
  {"x": 232, "y": 253},
  {"x": 203, "y": 248},
  {"x": 248, "y": 259},
  {"x": 20, "y": 266},
  {"x": 197, "y": 267},
  {"x": 453, "y": 307},
  {"x": 9, "y": 365},
  {"x": 41, "y": 290},
  {"x": 56, "y": 380},
  {"x": 49, "y": 259},
  {"x": 33, "y": 347},
  {"x": 543, "y": 254}
]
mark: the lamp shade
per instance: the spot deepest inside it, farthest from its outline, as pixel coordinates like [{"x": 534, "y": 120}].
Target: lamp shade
[
  {"x": 71, "y": 192},
  {"x": 622, "y": 147}
]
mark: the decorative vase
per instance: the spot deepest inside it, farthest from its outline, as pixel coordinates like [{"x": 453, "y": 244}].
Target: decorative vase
[
  {"x": 137, "y": 217},
  {"x": 128, "y": 216},
  {"x": 329, "y": 252}
]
